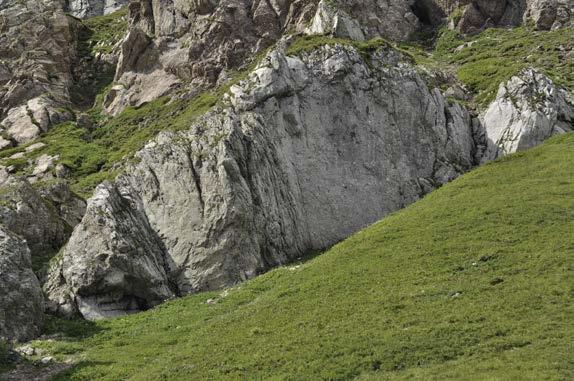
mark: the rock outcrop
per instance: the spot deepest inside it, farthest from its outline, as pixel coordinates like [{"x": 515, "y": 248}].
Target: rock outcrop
[
  {"x": 21, "y": 300},
  {"x": 528, "y": 109},
  {"x": 34, "y": 223},
  {"x": 308, "y": 150},
  {"x": 37, "y": 49},
  {"x": 46, "y": 226},
  {"x": 90, "y": 8}
]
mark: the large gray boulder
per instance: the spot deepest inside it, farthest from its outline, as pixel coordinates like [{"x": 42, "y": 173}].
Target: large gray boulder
[
  {"x": 21, "y": 300},
  {"x": 307, "y": 151},
  {"x": 528, "y": 109},
  {"x": 119, "y": 270}
]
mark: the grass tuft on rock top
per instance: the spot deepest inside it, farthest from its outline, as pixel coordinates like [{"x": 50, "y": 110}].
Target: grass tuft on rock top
[{"x": 473, "y": 281}]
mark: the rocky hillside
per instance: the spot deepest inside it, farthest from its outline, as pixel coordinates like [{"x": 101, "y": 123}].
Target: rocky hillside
[{"x": 160, "y": 148}]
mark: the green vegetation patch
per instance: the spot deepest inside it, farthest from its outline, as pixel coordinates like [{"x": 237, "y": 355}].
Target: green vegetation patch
[
  {"x": 484, "y": 61},
  {"x": 92, "y": 154},
  {"x": 472, "y": 282},
  {"x": 102, "y": 33}
]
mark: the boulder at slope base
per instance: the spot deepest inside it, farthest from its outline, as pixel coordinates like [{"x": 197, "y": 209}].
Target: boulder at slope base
[{"x": 528, "y": 109}]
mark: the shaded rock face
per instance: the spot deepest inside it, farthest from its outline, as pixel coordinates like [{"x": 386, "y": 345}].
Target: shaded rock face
[
  {"x": 33, "y": 222},
  {"x": 308, "y": 151},
  {"x": 528, "y": 109},
  {"x": 90, "y": 8},
  {"x": 24, "y": 212},
  {"x": 360, "y": 20},
  {"x": 21, "y": 299},
  {"x": 37, "y": 49}
]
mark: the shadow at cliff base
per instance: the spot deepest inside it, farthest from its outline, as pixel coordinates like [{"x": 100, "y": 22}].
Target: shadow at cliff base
[
  {"x": 70, "y": 329},
  {"x": 76, "y": 370}
]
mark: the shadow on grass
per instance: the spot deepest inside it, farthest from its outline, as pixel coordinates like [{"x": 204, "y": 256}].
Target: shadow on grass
[
  {"x": 73, "y": 329},
  {"x": 75, "y": 370}
]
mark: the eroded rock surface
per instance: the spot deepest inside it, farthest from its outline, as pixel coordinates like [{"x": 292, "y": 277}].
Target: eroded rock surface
[
  {"x": 21, "y": 299},
  {"x": 37, "y": 49},
  {"x": 309, "y": 150},
  {"x": 528, "y": 109}
]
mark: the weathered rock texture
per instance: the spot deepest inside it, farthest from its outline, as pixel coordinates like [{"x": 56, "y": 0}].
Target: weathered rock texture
[
  {"x": 359, "y": 20},
  {"x": 34, "y": 223},
  {"x": 45, "y": 225},
  {"x": 528, "y": 109},
  {"x": 21, "y": 300},
  {"x": 308, "y": 151},
  {"x": 550, "y": 14},
  {"x": 37, "y": 49},
  {"x": 91, "y": 8}
]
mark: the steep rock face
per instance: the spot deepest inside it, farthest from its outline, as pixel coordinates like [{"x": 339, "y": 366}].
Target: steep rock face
[
  {"x": 36, "y": 45},
  {"x": 528, "y": 109},
  {"x": 119, "y": 270},
  {"x": 90, "y": 8},
  {"x": 21, "y": 300},
  {"x": 308, "y": 151}
]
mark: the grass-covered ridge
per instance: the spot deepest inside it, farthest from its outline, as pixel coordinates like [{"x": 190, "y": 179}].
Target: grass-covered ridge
[
  {"x": 472, "y": 282},
  {"x": 484, "y": 61}
]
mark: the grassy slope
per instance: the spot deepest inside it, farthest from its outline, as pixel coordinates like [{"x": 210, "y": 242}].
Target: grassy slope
[{"x": 475, "y": 281}]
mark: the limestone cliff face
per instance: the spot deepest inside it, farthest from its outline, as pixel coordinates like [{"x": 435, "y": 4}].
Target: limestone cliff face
[
  {"x": 305, "y": 151},
  {"x": 308, "y": 150}
]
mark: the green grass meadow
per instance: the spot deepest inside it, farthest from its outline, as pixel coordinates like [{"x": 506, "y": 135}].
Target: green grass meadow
[{"x": 473, "y": 282}]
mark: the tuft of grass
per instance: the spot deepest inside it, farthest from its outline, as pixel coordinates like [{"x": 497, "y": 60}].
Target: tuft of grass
[
  {"x": 474, "y": 280},
  {"x": 306, "y": 44},
  {"x": 102, "y": 33}
]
